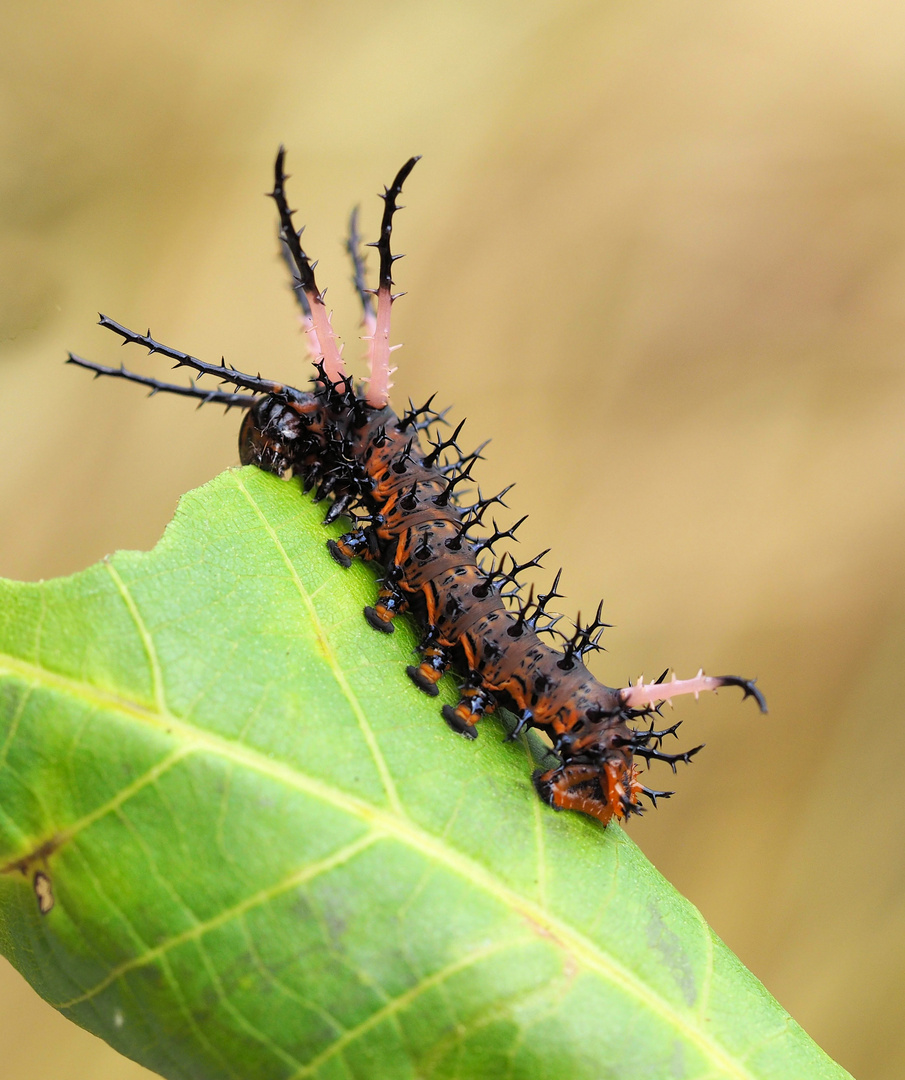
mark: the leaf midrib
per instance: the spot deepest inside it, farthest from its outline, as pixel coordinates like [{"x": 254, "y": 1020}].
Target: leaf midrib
[
  {"x": 383, "y": 770},
  {"x": 392, "y": 825}
]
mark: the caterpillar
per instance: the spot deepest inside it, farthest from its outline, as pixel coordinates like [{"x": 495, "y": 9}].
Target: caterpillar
[{"x": 403, "y": 492}]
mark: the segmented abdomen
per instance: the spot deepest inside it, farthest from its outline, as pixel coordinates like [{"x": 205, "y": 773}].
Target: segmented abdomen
[{"x": 438, "y": 569}]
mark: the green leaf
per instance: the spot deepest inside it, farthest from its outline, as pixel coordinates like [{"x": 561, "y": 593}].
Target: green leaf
[{"x": 260, "y": 853}]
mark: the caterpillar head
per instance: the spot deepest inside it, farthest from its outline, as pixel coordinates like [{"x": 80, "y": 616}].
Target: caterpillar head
[{"x": 276, "y": 434}]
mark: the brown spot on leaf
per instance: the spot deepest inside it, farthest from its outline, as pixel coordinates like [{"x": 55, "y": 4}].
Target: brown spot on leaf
[{"x": 44, "y": 892}]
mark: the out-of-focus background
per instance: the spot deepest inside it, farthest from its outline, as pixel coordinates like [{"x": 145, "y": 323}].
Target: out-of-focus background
[{"x": 656, "y": 250}]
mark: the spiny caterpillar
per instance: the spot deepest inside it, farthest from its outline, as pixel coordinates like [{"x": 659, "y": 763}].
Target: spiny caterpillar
[{"x": 405, "y": 502}]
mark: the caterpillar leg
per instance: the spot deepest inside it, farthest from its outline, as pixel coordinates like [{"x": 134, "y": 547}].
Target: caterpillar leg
[
  {"x": 474, "y": 703},
  {"x": 390, "y": 602},
  {"x": 525, "y": 717},
  {"x": 345, "y": 549},
  {"x": 434, "y": 662}
]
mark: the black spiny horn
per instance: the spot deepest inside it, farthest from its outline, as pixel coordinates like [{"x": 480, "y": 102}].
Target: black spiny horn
[
  {"x": 324, "y": 340},
  {"x": 359, "y": 278},
  {"x": 203, "y": 397},
  {"x": 220, "y": 371}
]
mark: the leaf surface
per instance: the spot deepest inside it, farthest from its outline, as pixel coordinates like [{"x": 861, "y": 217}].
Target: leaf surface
[{"x": 237, "y": 843}]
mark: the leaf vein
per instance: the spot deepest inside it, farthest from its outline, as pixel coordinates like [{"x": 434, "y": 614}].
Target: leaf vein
[
  {"x": 14, "y": 725},
  {"x": 298, "y": 877},
  {"x": 259, "y": 1036},
  {"x": 540, "y": 846},
  {"x": 146, "y": 640},
  {"x": 70, "y": 832},
  {"x": 393, "y": 1007},
  {"x": 281, "y": 986},
  {"x": 190, "y": 1020},
  {"x": 338, "y": 673}
]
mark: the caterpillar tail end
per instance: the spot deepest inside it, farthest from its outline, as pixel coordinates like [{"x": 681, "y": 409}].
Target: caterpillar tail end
[{"x": 602, "y": 792}]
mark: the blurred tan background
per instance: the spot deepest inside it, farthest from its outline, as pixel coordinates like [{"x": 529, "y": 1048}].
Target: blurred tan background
[{"x": 657, "y": 250}]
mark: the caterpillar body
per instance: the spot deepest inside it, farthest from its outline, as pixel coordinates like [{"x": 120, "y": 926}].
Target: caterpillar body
[{"x": 348, "y": 444}]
